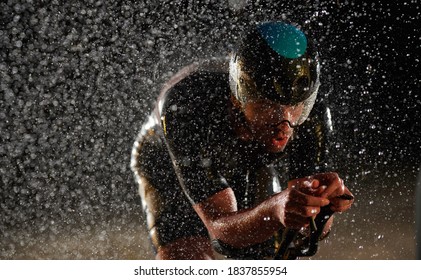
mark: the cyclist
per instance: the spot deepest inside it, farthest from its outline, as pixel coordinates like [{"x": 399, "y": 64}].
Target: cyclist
[{"x": 230, "y": 161}]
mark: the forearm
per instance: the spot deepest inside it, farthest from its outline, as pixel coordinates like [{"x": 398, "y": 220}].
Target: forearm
[{"x": 241, "y": 228}]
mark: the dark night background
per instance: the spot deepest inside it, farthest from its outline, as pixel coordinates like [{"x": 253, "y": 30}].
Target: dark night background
[{"x": 77, "y": 79}]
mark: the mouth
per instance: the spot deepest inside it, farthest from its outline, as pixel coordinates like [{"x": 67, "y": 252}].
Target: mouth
[
  {"x": 279, "y": 142},
  {"x": 281, "y": 135}
]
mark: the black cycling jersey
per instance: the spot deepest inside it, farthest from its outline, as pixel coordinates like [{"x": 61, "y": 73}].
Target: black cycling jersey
[{"x": 207, "y": 155}]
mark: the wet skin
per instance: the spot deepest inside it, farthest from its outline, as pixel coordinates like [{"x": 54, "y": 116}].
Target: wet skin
[{"x": 271, "y": 123}]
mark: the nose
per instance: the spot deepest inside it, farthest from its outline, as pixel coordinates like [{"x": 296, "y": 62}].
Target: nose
[
  {"x": 285, "y": 128},
  {"x": 286, "y": 114}
]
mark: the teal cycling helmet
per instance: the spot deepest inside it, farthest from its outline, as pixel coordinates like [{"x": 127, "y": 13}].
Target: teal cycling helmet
[{"x": 275, "y": 61}]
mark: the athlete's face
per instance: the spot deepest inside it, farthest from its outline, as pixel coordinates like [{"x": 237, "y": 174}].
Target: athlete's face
[{"x": 270, "y": 122}]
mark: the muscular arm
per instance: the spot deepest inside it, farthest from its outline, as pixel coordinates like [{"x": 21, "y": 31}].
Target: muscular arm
[{"x": 254, "y": 225}]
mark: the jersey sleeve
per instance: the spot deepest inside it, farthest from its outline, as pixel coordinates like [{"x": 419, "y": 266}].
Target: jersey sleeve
[{"x": 186, "y": 120}]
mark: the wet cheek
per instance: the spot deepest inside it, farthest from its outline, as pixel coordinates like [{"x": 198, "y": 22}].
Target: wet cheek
[
  {"x": 261, "y": 119},
  {"x": 269, "y": 116}
]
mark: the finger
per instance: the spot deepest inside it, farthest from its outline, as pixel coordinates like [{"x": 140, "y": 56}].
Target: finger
[
  {"x": 311, "y": 184},
  {"x": 306, "y": 182},
  {"x": 345, "y": 196},
  {"x": 295, "y": 221},
  {"x": 308, "y": 211},
  {"x": 334, "y": 188},
  {"x": 307, "y": 200},
  {"x": 315, "y": 183},
  {"x": 339, "y": 204},
  {"x": 302, "y": 210},
  {"x": 340, "y": 208},
  {"x": 315, "y": 188},
  {"x": 307, "y": 185},
  {"x": 320, "y": 190}
]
